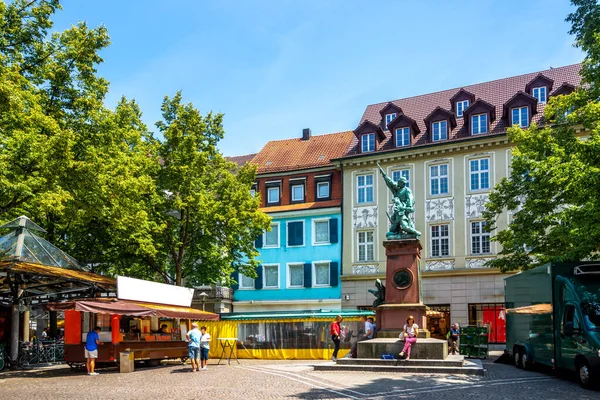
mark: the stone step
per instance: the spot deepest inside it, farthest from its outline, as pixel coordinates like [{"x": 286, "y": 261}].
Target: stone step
[
  {"x": 470, "y": 368},
  {"x": 448, "y": 362}
]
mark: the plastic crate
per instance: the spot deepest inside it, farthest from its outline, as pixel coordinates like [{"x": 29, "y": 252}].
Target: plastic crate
[{"x": 387, "y": 356}]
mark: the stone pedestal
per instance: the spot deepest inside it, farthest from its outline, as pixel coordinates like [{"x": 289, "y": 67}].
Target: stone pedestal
[{"x": 403, "y": 288}]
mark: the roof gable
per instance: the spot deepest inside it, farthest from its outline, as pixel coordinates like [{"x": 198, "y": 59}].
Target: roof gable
[
  {"x": 564, "y": 89},
  {"x": 440, "y": 113},
  {"x": 402, "y": 121},
  {"x": 538, "y": 81},
  {"x": 520, "y": 99},
  {"x": 478, "y": 107},
  {"x": 369, "y": 127},
  {"x": 390, "y": 108}
]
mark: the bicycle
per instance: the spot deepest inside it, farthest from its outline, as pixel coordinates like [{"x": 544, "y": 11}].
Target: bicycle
[{"x": 26, "y": 359}]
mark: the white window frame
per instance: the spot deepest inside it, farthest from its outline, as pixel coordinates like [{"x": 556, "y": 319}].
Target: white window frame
[
  {"x": 269, "y": 194},
  {"x": 367, "y": 136},
  {"x": 289, "y": 276},
  {"x": 439, "y": 178},
  {"x": 520, "y": 122},
  {"x": 438, "y": 124},
  {"x": 403, "y": 131},
  {"x": 401, "y": 172},
  {"x": 265, "y": 245},
  {"x": 479, "y": 125},
  {"x": 481, "y": 236},
  {"x": 314, "y": 232},
  {"x": 295, "y": 185},
  {"x": 265, "y": 276},
  {"x": 328, "y": 189},
  {"x": 314, "y": 273},
  {"x": 252, "y": 192},
  {"x": 540, "y": 90},
  {"x": 303, "y": 233},
  {"x": 460, "y": 110},
  {"x": 439, "y": 239},
  {"x": 241, "y": 285},
  {"x": 478, "y": 173},
  {"x": 365, "y": 244},
  {"x": 365, "y": 187},
  {"x": 389, "y": 118}
]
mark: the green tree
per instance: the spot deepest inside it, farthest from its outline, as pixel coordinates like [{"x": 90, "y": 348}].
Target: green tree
[
  {"x": 210, "y": 219},
  {"x": 553, "y": 190}
]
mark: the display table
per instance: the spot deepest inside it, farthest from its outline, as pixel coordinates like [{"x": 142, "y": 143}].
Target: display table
[{"x": 227, "y": 343}]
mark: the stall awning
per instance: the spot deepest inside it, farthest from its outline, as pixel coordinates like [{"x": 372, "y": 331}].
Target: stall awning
[
  {"x": 133, "y": 308},
  {"x": 323, "y": 314},
  {"x": 536, "y": 309}
]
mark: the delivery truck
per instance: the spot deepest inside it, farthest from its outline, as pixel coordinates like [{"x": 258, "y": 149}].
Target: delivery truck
[{"x": 553, "y": 318}]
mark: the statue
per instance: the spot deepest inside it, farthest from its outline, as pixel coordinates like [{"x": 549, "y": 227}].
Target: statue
[
  {"x": 402, "y": 226},
  {"x": 379, "y": 293}
]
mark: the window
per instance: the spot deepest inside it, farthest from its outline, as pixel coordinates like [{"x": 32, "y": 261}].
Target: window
[
  {"x": 480, "y": 173},
  {"x": 246, "y": 282},
  {"x": 479, "y": 124},
  {"x": 389, "y": 118},
  {"x": 539, "y": 93},
  {"x": 364, "y": 185},
  {"x": 440, "y": 130},
  {"x": 493, "y": 315},
  {"x": 321, "y": 229},
  {"x": 365, "y": 246},
  {"x": 295, "y": 233},
  {"x": 404, "y": 173},
  {"x": 480, "y": 240},
  {"x": 298, "y": 192},
  {"x": 272, "y": 236},
  {"x": 461, "y": 106},
  {"x": 295, "y": 275},
  {"x": 367, "y": 142},
  {"x": 252, "y": 192},
  {"x": 271, "y": 273},
  {"x": 520, "y": 116},
  {"x": 321, "y": 273},
  {"x": 402, "y": 137},
  {"x": 438, "y": 175},
  {"x": 273, "y": 194},
  {"x": 440, "y": 241},
  {"x": 322, "y": 190}
]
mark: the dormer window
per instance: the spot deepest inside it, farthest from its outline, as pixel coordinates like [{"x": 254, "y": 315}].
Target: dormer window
[
  {"x": 539, "y": 93},
  {"x": 439, "y": 130},
  {"x": 461, "y": 106},
  {"x": 367, "y": 142},
  {"x": 520, "y": 116},
  {"x": 403, "y": 137},
  {"x": 389, "y": 118},
  {"x": 479, "y": 124}
]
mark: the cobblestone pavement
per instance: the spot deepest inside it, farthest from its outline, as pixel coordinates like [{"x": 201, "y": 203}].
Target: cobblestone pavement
[{"x": 263, "y": 379}]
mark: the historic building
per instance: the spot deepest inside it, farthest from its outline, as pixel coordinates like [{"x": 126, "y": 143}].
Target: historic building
[
  {"x": 452, "y": 148},
  {"x": 301, "y": 190}
]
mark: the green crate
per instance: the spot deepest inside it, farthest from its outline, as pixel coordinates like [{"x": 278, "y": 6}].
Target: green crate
[
  {"x": 465, "y": 349},
  {"x": 467, "y": 339},
  {"x": 469, "y": 330}
]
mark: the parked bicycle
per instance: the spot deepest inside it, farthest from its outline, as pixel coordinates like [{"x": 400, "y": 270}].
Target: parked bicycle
[{"x": 27, "y": 357}]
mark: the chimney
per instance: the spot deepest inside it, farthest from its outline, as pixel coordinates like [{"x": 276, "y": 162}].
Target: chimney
[{"x": 305, "y": 133}]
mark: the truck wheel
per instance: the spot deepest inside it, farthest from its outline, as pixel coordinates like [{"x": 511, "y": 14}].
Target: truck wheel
[
  {"x": 517, "y": 358},
  {"x": 525, "y": 360},
  {"x": 584, "y": 374}
]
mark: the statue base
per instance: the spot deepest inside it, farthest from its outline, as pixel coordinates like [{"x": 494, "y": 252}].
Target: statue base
[{"x": 392, "y": 318}]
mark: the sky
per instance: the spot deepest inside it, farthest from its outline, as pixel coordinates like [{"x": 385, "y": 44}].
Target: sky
[{"x": 275, "y": 67}]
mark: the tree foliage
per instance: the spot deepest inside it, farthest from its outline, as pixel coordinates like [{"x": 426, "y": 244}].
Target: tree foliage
[
  {"x": 96, "y": 178},
  {"x": 553, "y": 190}
]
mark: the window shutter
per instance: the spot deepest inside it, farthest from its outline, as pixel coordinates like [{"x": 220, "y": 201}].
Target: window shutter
[
  {"x": 295, "y": 234},
  {"x": 258, "y": 243},
  {"x": 258, "y": 282},
  {"x": 236, "y": 277},
  {"x": 333, "y": 274},
  {"x": 308, "y": 275},
  {"x": 333, "y": 230}
]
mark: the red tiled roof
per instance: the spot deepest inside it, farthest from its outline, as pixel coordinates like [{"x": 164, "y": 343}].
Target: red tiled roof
[
  {"x": 241, "y": 160},
  {"x": 302, "y": 206},
  {"x": 298, "y": 154},
  {"x": 496, "y": 92}
]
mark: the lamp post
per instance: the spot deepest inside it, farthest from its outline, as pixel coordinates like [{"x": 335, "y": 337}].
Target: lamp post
[{"x": 203, "y": 295}]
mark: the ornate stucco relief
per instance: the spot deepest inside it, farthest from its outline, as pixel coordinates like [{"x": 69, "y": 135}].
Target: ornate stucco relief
[
  {"x": 475, "y": 205},
  {"x": 477, "y": 262},
  {"x": 365, "y": 269},
  {"x": 364, "y": 217},
  {"x": 440, "y": 209},
  {"x": 439, "y": 265}
]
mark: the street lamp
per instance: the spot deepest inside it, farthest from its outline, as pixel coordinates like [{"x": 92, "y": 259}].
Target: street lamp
[{"x": 203, "y": 295}]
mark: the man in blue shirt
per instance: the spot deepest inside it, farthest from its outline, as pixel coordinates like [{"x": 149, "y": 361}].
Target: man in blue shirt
[
  {"x": 453, "y": 337},
  {"x": 193, "y": 338},
  {"x": 92, "y": 341}
]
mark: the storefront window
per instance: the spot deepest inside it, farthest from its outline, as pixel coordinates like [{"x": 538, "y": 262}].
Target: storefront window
[
  {"x": 438, "y": 320},
  {"x": 492, "y": 315}
]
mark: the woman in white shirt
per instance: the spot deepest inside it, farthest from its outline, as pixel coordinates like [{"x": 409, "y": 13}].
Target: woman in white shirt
[{"x": 409, "y": 334}]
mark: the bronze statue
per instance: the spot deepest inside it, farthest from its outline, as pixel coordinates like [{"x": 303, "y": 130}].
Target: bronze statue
[
  {"x": 379, "y": 293},
  {"x": 402, "y": 226}
]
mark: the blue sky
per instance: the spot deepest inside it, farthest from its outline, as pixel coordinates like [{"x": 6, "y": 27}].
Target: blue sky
[{"x": 275, "y": 67}]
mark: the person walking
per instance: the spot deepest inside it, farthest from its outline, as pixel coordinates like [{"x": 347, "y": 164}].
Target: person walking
[
  {"x": 335, "y": 332},
  {"x": 409, "y": 334},
  {"x": 453, "y": 336},
  {"x": 193, "y": 338},
  {"x": 92, "y": 341},
  {"x": 204, "y": 347}
]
